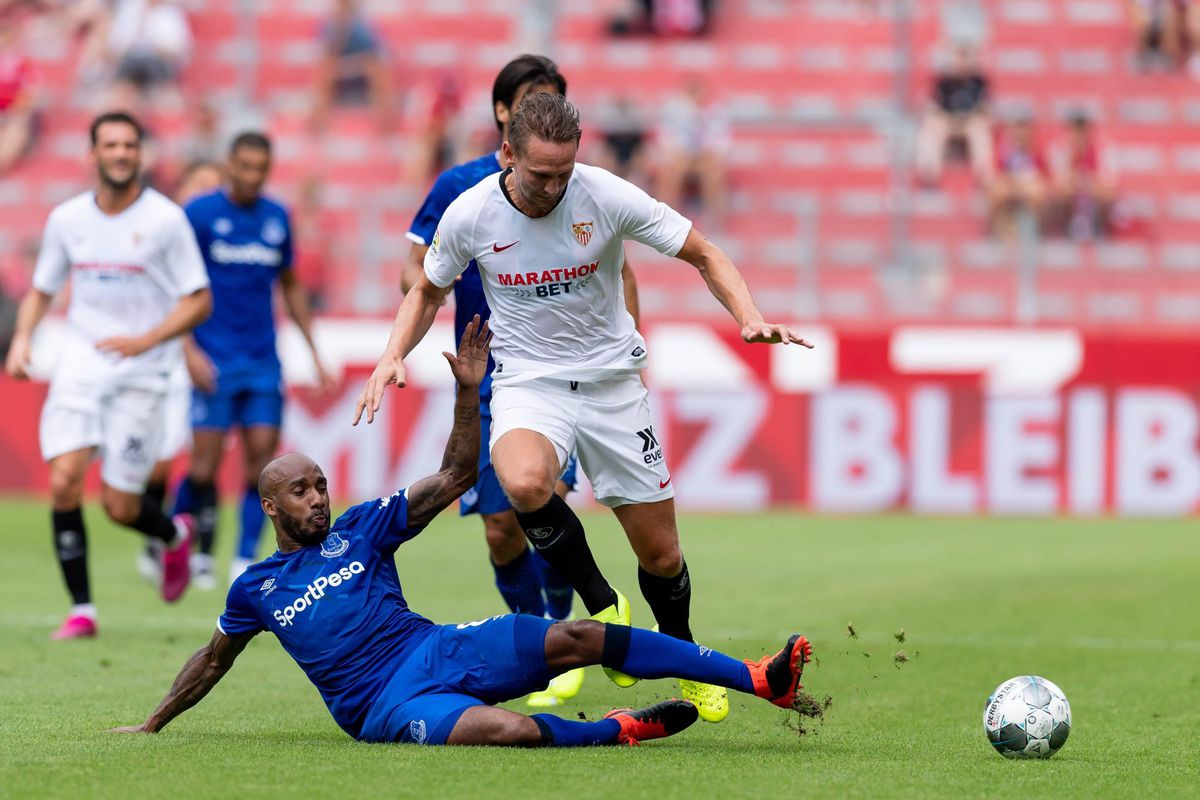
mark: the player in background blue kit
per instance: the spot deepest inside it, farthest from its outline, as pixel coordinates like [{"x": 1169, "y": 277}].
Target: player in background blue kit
[
  {"x": 527, "y": 582},
  {"x": 331, "y": 595},
  {"x": 246, "y": 240}
]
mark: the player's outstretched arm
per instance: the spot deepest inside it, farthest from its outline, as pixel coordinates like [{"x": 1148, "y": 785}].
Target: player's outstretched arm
[
  {"x": 416, "y": 314},
  {"x": 295, "y": 300},
  {"x": 33, "y": 307},
  {"x": 190, "y": 311},
  {"x": 427, "y": 497},
  {"x": 727, "y": 285},
  {"x": 200, "y": 674}
]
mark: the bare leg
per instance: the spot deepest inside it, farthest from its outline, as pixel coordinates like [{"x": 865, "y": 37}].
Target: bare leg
[
  {"x": 527, "y": 466},
  {"x": 505, "y": 539},
  {"x": 662, "y": 572}
]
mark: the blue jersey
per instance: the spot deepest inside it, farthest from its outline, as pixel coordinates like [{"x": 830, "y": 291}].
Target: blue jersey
[
  {"x": 245, "y": 248},
  {"x": 468, "y": 292},
  {"x": 337, "y": 608}
]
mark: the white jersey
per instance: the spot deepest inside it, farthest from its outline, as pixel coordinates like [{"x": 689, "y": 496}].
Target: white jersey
[
  {"x": 127, "y": 272},
  {"x": 554, "y": 282}
]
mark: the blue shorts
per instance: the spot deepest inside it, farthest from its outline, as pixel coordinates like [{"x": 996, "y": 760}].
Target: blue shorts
[
  {"x": 486, "y": 496},
  {"x": 245, "y": 396},
  {"x": 456, "y": 668}
]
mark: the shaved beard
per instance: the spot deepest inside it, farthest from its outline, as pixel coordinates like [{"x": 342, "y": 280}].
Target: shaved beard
[
  {"x": 295, "y": 529},
  {"x": 115, "y": 185}
]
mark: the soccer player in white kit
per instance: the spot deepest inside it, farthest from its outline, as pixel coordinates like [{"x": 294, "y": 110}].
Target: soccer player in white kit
[
  {"x": 137, "y": 283},
  {"x": 547, "y": 236}
]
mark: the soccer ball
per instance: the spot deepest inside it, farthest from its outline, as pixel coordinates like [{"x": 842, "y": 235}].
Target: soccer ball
[{"x": 1027, "y": 717}]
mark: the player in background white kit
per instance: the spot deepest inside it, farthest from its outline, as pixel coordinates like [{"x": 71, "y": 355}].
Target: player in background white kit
[
  {"x": 547, "y": 236},
  {"x": 137, "y": 283}
]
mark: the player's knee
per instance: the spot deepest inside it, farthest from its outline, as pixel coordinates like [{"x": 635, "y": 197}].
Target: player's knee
[
  {"x": 517, "y": 730},
  {"x": 66, "y": 489},
  {"x": 122, "y": 508},
  {"x": 529, "y": 491},
  {"x": 665, "y": 563},
  {"x": 583, "y": 639},
  {"x": 204, "y": 472}
]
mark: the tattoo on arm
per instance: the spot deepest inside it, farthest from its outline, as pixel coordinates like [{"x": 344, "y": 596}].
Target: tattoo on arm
[
  {"x": 428, "y": 496},
  {"x": 200, "y": 674}
]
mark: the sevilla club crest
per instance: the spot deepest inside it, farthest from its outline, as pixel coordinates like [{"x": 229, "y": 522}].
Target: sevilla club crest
[{"x": 583, "y": 232}]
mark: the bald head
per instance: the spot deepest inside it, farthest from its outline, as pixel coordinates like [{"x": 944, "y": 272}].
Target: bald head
[
  {"x": 283, "y": 470},
  {"x": 295, "y": 495}
]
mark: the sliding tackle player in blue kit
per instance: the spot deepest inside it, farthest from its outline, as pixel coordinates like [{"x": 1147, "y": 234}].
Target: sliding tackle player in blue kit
[{"x": 331, "y": 595}]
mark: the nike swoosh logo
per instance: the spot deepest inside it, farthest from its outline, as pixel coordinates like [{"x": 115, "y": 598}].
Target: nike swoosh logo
[
  {"x": 663, "y": 484},
  {"x": 496, "y": 248}
]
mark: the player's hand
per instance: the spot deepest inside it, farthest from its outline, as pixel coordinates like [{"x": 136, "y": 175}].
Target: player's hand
[
  {"x": 143, "y": 728},
  {"x": 326, "y": 383},
  {"x": 470, "y": 365},
  {"x": 389, "y": 370},
  {"x": 124, "y": 346},
  {"x": 201, "y": 369},
  {"x": 16, "y": 364},
  {"x": 767, "y": 333}
]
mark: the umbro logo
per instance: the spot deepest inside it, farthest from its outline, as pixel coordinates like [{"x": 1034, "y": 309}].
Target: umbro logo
[
  {"x": 496, "y": 248},
  {"x": 268, "y": 586}
]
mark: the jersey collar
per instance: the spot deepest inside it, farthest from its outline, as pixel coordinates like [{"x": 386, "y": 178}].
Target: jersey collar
[{"x": 508, "y": 197}]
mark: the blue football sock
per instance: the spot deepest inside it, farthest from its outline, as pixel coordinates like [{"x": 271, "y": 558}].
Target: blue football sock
[
  {"x": 252, "y": 523},
  {"x": 559, "y": 593},
  {"x": 185, "y": 499},
  {"x": 559, "y": 732},
  {"x": 520, "y": 585},
  {"x": 654, "y": 655}
]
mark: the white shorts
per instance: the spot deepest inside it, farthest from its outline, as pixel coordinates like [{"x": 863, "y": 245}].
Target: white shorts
[
  {"x": 177, "y": 427},
  {"x": 607, "y": 421},
  {"x": 125, "y": 423}
]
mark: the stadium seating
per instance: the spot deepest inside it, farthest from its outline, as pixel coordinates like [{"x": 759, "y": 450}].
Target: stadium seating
[{"x": 813, "y": 221}]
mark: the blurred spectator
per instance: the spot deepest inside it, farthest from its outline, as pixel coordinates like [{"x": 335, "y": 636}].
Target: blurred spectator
[
  {"x": 623, "y": 131},
  {"x": 18, "y": 94},
  {"x": 1084, "y": 173},
  {"x": 316, "y": 231},
  {"x": 206, "y": 140},
  {"x": 1160, "y": 31},
  {"x": 1018, "y": 188},
  {"x": 665, "y": 18},
  {"x": 693, "y": 137},
  {"x": 1192, "y": 25},
  {"x": 353, "y": 70},
  {"x": 88, "y": 20},
  {"x": 438, "y": 106},
  {"x": 149, "y": 41},
  {"x": 958, "y": 114}
]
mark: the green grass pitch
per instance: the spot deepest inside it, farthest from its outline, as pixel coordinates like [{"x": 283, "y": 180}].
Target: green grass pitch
[{"x": 1107, "y": 609}]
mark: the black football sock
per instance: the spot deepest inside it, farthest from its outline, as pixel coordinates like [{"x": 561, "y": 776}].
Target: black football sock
[
  {"x": 156, "y": 493},
  {"x": 556, "y": 533},
  {"x": 154, "y": 522},
  {"x": 670, "y": 599},
  {"x": 70, "y": 544},
  {"x": 204, "y": 498}
]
